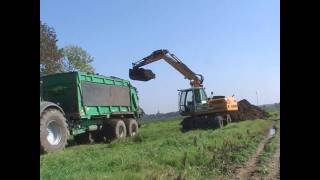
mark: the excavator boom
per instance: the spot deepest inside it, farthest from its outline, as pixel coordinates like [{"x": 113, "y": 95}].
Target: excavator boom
[{"x": 138, "y": 73}]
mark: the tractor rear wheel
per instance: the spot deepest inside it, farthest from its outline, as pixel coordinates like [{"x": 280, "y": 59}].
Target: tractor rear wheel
[
  {"x": 54, "y": 131},
  {"x": 132, "y": 127}
]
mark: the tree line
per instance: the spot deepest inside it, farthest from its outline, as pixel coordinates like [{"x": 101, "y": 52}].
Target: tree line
[{"x": 55, "y": 60}]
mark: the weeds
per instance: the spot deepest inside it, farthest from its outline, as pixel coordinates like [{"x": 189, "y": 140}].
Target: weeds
[
  {"x": 159, "y": 151},
  {"x": 269, "y": 149}
]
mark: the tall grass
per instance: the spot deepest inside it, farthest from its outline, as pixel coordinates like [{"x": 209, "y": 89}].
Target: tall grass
[{"x": 160, "y": 151}]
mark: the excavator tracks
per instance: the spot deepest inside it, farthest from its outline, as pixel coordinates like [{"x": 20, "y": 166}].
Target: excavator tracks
[{"x": 205, "y": 122}]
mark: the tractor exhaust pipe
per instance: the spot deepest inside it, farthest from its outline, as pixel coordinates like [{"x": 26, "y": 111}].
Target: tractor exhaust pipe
[{"x": 141, "y": 74}]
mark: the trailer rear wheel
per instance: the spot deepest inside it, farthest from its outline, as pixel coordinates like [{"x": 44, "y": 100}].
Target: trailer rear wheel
[
  {"x": 54, "y": 131},
  {"x": 114, "y": 129},
  {"x": 132, "y": 127},
  {"x": 84, "y": 138},
  {"x": 98, "y": 136}
]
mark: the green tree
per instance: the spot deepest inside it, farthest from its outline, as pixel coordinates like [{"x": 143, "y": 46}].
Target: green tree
[
  {"x": 77, "y": 59},
  {"x": 50, "y": 54}
]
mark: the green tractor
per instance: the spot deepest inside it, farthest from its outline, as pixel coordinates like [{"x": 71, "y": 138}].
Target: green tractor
[{"x": 89, "y": 107}]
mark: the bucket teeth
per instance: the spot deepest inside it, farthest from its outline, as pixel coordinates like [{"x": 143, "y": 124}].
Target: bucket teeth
[{"x": 141, "y": 74}]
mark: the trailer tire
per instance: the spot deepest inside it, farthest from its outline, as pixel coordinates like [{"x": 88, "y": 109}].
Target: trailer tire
[
  {"x": 114, "y": 129},
  {"x": 132, "y": 127},
  {"x": 54, "y": 131},
  {"x": 98, "y": 136},
  {"x": 84, "y": 138}
]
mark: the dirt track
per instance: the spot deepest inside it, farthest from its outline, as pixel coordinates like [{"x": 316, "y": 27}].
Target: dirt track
[
  {"x": 245, "y": 172},
  {"x": 273, "y": 165}
]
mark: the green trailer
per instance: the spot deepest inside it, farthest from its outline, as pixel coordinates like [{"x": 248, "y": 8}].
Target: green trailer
[{"x": 90, "y": 107}]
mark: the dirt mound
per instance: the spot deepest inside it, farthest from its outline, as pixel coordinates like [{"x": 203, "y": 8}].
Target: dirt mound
[{"x": 248, "y": 111}]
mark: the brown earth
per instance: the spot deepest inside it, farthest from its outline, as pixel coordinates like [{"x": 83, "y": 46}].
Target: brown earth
[{"x": 247, "y": 111}]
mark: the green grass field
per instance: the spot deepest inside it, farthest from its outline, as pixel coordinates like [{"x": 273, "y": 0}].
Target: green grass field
[{"x": 160, "y": 151}]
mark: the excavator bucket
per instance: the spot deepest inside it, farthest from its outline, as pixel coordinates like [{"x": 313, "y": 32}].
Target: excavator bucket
[{"x": 141, "y": 74}]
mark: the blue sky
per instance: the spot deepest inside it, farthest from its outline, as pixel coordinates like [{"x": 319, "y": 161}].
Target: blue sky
[{"x": 234, "y": 44}]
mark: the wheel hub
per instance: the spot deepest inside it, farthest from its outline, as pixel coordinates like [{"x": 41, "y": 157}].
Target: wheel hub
[
  {"x": 54, "y": 133},
  {"x": 134, "y": 130},
  {"x": 121, "y": 132}
]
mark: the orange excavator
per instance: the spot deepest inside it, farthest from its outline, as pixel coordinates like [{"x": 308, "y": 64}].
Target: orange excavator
[{"x": 200, "y": 111}]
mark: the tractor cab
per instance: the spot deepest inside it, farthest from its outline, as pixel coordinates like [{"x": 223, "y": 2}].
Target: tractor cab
[{"x": 190, "y": 99}]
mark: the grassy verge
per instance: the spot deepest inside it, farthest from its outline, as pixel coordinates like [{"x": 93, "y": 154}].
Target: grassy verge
[
  {"x": 160, "y": 151},
  {"x": 274, "y": 113},
  {"x": 269, "y": 150}
]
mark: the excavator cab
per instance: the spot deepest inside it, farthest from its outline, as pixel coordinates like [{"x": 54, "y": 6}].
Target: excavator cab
[{"x": 191, "y": 99}]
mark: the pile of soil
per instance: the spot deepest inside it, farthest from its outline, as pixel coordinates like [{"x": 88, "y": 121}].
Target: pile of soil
[{"x": 248, "y": 111}]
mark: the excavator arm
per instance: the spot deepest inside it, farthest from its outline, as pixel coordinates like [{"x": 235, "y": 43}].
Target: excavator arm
[{"x": 138, "y": 73}]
